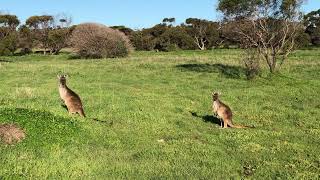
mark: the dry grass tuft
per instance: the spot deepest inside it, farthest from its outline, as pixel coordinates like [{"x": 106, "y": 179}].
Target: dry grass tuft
[{"x": 11, "y": 133}]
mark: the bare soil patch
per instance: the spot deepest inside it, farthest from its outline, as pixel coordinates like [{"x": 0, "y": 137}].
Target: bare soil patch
[{"x": 11, "y": 133}]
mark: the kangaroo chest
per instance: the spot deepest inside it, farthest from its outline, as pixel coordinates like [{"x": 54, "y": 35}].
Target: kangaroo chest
[
  {"x": 62, "y": 92},
  {"x": 215, "y": 106}
]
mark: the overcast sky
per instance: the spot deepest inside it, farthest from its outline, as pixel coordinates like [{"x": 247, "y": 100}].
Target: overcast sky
[{"x": 132, "y": 13}]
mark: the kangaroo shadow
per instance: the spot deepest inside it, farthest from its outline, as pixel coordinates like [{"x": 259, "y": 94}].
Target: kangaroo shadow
[
  {"x": 207, "y": 118},
  {"x": 42, "y": 127},
  {"x": 95, "y": 119},
  {"x": 64, "y": 106},
  {"x": 227, "y": 71},
  {"x": 78, "y": 57}
]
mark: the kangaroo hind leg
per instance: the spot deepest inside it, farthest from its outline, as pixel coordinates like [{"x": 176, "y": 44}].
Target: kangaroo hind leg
[{"x": 225, "y": 123}]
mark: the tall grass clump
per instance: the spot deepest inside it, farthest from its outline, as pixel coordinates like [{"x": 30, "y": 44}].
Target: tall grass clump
[{"x": 92, "y": 40}]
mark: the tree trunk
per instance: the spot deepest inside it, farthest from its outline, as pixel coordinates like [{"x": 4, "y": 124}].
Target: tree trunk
[
  {"x": 272, "y": 65},
  {"x": 203, "y": 48},
  {"x": 200, "y": 43}
]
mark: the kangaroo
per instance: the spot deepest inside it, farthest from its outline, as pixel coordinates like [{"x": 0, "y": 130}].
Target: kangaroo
[
  {"x": 70, "y": 98},
  {"x": 223, "y": 112}
]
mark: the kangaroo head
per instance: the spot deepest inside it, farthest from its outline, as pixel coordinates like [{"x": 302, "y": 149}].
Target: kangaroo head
[
  {"x": 62, "y": 79},
  {"x": 215, "y": 96}
]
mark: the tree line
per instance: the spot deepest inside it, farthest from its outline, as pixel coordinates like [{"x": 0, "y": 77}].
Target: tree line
[
  {"x": 44, "y": 32},
  {"x": 50, "y": 34}
]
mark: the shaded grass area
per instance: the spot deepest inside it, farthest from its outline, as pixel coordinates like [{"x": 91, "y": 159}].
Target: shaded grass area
[
  {"x": 159, "y": 122},
  {"x": 225, "y": 70},
  {"x": 43, "y": 128}
]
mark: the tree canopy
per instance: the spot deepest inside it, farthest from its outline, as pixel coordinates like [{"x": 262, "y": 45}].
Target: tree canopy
[
  {"x": 8, "y": 20},
  {"x": 40, "y": 22},
  {"x": 260, "y": 8}
]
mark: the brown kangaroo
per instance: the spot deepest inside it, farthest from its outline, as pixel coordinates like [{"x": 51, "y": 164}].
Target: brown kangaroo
[
  {"x": 223, "y": 112},
  {"x": 70, "y": 98}
]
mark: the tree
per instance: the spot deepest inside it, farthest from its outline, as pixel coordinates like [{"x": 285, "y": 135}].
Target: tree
[
  {"x": 148, "y": 39},
  {"x": 228, "y": 35},
  {"x": 312, "y": 22},
  {"x": 8, "y": 34},
  {"x": 205, "y": 33},
  {"x": 157, "y": 30},
  {"x": 25, "y": 39},
  {"x": 175, "y": 38},
  {"x": 266, "y": 27},
  {"x": 40, "y": 22},
  {"x": 154, "y": 35},
  {"x": 59, "y": 34},
  {"x": 9, "y": 21},
  {"x": 40, "y": 27},
  {"x": 169, "y": 21},
  {"x": 57, "y": 39}
]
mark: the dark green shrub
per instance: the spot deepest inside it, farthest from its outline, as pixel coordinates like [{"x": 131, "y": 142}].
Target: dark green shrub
[
  {"x": 9, "y": 44},
  {"x": 142, "y": 42},
  {"x": 4, "y": 51},
  {"x": 175, "y": 38},
  {"x": 302, "y": 40}
]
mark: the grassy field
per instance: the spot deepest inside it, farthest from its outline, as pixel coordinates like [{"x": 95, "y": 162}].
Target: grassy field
[{"x": 158, "y": 124}]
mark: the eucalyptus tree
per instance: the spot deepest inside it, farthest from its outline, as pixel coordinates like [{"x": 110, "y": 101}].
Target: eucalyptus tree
[{"x": 267, "y": 29}]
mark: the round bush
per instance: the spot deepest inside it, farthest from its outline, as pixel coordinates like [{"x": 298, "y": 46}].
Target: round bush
[{"x": 92, "y": 40}]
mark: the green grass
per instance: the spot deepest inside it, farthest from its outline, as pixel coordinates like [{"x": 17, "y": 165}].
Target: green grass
[{"x": 157, "y": 109}]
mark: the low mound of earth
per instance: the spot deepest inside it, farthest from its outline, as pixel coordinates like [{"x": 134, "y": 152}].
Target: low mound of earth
[{"x": 11, "y": 133}]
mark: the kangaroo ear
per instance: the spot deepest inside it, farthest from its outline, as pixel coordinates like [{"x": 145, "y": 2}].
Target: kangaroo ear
[{"x": 58, "y": 76}]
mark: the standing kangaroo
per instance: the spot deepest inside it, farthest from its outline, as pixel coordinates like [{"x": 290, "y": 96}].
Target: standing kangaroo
[
  {"x": 223, "y": 112},
  {"x": 70, "y": 98}
]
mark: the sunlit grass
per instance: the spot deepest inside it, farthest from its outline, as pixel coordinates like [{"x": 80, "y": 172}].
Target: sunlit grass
[{"x": 157, "y": 109}]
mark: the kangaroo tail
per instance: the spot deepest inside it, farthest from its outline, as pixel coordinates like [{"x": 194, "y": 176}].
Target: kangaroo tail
[{"x": 238, "y": 126}]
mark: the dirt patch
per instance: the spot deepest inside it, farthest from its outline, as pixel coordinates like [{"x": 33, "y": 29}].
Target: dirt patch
[{"x": 11, "y": 133}]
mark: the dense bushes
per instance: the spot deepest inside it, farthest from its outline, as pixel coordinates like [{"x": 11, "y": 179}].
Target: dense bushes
[
  {"x": 166, "y": 37},
  {"x": 176, "y": 37},
  {"x": 98, "y": 41},
  {"x": 142, "y": 42},
  {"x": 9, "y": 44},
  {"x": 8, "y": 34},
  {"x": 302, "y": 40}
]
